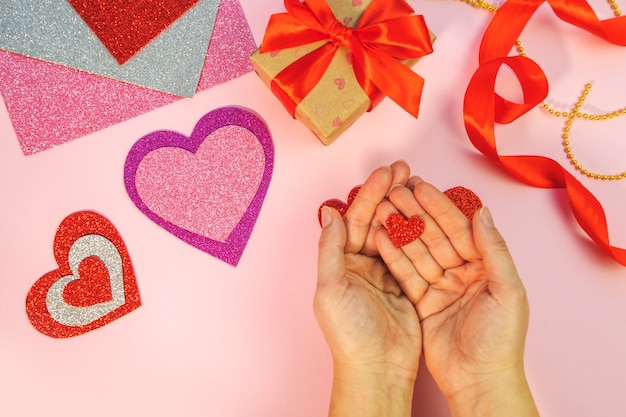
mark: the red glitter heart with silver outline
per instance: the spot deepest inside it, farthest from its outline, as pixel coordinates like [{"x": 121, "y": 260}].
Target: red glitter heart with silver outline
[
  {"x": 94, "y": 285},
  {"x": 466, "y": 200},
  {"x": 404, "y": 231},
  {"x": 125, "y": 27},
  {"x": 339, "y": 205}
]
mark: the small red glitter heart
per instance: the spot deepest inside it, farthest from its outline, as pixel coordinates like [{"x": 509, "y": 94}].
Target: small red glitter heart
[
  {"x": 466, "y": 200},
  {"x": 124, "y": 27},
  {"x": 93, "y": 285},
  {"x": 339, "y": 205},
  {"x": 403, "y": 231}
]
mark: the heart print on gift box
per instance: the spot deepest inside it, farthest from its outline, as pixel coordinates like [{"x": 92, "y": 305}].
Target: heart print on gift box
[
  {"x": 206, "y": 189},
  {"x": 94, "y": 284}
]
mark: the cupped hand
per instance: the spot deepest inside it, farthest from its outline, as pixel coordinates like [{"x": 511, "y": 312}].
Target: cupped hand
[
  {"x": 360, "y": 219},
  {"x": 368, "y": 322},
  {"x": 469, "y": 297}
]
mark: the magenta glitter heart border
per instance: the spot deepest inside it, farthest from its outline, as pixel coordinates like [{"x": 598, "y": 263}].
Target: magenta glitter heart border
[{"x": 231, "y": 250}]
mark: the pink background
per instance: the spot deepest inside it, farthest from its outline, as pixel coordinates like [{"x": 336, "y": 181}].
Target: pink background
[{"x": 214, "y": 340}]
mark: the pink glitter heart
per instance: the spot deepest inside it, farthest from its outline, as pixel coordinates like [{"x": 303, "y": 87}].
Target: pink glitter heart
[
  {"x": 173, "y": 181},
  {"x": 206, "y": 189}
]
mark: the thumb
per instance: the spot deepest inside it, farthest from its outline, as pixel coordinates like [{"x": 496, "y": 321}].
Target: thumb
[
  {"x": 499, "y": 265},
  {"x": 332, "y": 243}
]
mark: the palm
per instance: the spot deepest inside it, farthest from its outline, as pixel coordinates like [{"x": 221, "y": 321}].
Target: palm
[
  {"x": 378, "y": 323},
  {"x": 467, "y": 331}
]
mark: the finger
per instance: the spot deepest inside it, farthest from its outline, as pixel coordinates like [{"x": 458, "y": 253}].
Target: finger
[
  {"x": 402, "y": 269},
  {"x": 416, "y": 253},
  {"x": 331, "y": 259},
  {"x": 452, "y": 238},
  {"x": 359, "y": 216},
  {"x": 410, "y": 184},
  {"x": 434, "y": 238},
  {"x": 400, "y": 172},
  {"x": 504, "y": 280}
]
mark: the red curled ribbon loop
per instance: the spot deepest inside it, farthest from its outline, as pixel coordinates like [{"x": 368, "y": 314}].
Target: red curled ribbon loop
[
  {"x": 387, "y": 32},
  {"x": 483, "y": 107}
]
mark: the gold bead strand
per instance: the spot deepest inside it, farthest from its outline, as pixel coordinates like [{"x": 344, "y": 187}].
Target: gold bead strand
[
  {"x": 554, "y": 112},
  {"x": 615, "y": 7},
  {"x": 482, "y": 4},
  {"x": 520, "y": 48},
  {"x": 566, "y": 137},
  {"x": 570, "y": 116}
]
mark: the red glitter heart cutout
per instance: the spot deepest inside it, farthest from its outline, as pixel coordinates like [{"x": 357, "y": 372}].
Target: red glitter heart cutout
[
  {"x": 73, "y": 299},
  {"x": 93, "y": 287},
  {"x": 466, "y": 200},
  {"x": 124, "y": 27},
  {"x": 403, "y": 231},
  {"x": 339, "y": 205}
]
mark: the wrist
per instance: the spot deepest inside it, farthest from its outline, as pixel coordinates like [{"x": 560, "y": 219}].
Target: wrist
[
  {"x": 364, "y": 392},
  {"x": 496, "y": 395}
]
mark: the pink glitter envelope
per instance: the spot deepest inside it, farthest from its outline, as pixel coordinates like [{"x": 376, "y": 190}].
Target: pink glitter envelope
[
  {"x": 206, "y": 189},
  {"x": 50, "y": 105}
]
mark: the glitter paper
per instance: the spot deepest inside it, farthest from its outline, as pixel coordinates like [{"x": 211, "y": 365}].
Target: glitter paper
[
  {"x": 125, "y": 27},
  {"x": 339, "y": 205},
  {"x": 206, "y": 189},
  {"x": 465, "y": 200},
  {"x": 94, "y": 284},
  {"x": 171, "y": 63},
  {"x": 403, "y": 231},
  {"x": 50, "y": 105},
  {"x": 230, "y": 48}
]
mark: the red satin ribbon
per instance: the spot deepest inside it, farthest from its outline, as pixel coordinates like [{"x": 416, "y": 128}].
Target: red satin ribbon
[
  {"x": 387, "y": 31},
  {"x": 483, "y": 107}
]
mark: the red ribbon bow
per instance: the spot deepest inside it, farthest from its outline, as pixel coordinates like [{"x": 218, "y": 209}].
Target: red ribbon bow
[
  {"x": 483, "y": 107},
  {"x": 387, "y": 31}
]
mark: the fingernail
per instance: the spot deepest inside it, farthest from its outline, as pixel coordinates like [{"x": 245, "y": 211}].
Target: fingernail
[
  {"x": 327, "y": 216},
  {"x": 413, "y": 181},
  {"x": 485, "y": 216},
  {"x": 399, "y": 161},
  {"x": 394, "y": 186}
]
